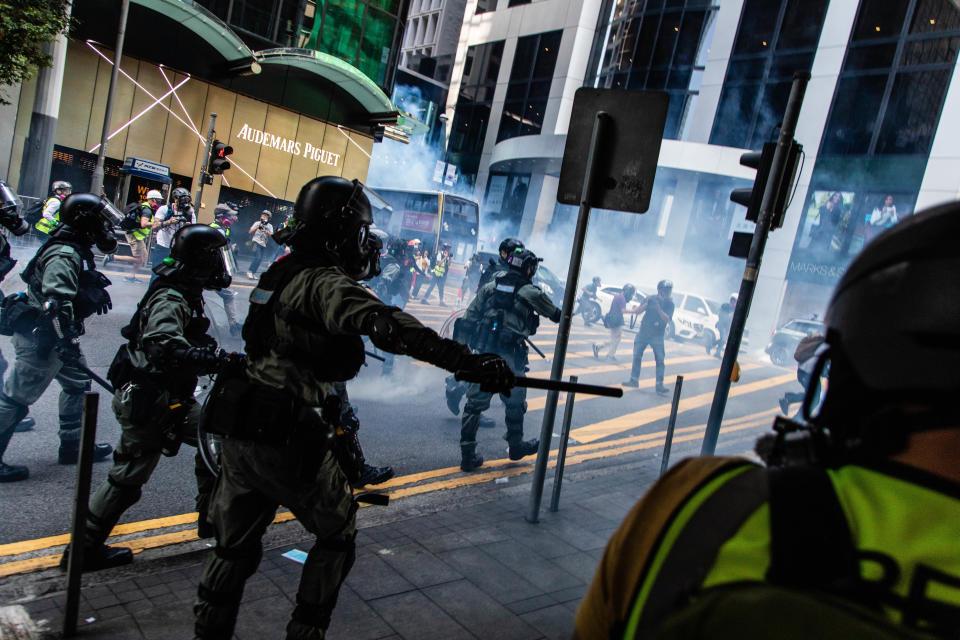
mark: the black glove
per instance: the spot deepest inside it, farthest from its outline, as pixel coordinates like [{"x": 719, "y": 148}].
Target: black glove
[
  {"x": 230, "y": 361},
  {"x": 68, "y": 350},
  {"x": 349, "y": 421},
  {"x": 490, "y": 371}
]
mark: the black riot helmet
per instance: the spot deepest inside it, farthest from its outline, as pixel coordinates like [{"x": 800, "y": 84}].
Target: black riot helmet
[
  {"x": 332, "y": 217},
  {"x": 629, "y": 291},
  {"x": 525, "y": 261},
  {"x": 10, "y": 211},
  {"x": 89, "y": 219},
  {"x": 508, "y": 247},
  {"x": 893, "y": 339},
  {"x": 199, "y": 255},
  {"x": 397, "y": 247},
  {"x": 182, "y": 197}
]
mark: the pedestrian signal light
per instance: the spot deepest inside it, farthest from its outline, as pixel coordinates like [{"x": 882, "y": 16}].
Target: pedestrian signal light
[{"x": 218, "y": 158}]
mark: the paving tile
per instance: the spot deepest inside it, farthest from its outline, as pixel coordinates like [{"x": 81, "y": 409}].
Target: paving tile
[
  {"x": 483, "y": 535},
  {"x": 355, "y": 619},
  {"x": 371, "y": 578},
  {"x": 502, "y": 583},
  {"x": 446, "y": 542},
  {"x": 415, "y": 617},
  {"x": 166, "y": 623},
  {"x": 531, "y": 604},
  {"x": 480, "y": 614},
  {"x": 546, "y": 544},
  {"x": 419, "y": 566},
  {"x": 102, "y": 602},
  {"x": 555, "y": 623},
  {"x": 570, "y": 594},
  {"x": 263, "y": 618},
  {"x": 123, "y": 628},
  {"x": 580, "y": 564},
  {"x": 541, "y": 572}
]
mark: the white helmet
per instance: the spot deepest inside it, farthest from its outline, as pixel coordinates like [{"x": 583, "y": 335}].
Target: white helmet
[
  {"x": 734, "y": 297},
  {"x": 153, "y": 194}
]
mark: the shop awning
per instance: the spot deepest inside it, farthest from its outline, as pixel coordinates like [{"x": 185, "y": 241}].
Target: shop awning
[{"x": 185, "y": 36}]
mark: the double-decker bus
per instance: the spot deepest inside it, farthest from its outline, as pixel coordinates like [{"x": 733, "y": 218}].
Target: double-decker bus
[{"x": 434, "y": 217}]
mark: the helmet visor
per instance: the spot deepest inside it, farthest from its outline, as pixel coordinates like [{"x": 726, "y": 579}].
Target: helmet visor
[
  {"x": 7, "y": 197},
  {"x": 110, "y": 214},
  {"x": 229, "y": 265}
]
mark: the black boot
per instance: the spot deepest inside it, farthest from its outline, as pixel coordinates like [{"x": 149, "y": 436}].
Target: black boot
[
  {"x": 374, "y": 475},
  {"x": 469, "y": 460},
  {"x": 100, "y": 557},
  {"x": 70, "y": 451},
  {"x": 13, "y": 472},
  {"x": 523, "y": 448},
  {"x": 204, "y": 528},
  {"x": 487, "y": 423},
  {"x": 27, "y": 424}
]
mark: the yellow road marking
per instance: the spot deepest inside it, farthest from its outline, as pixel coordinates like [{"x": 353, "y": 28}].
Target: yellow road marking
[
  {"x": 606, "y": 368},
  {"x": 497, "y": 469},
  {"x": 645, "y": 416}
]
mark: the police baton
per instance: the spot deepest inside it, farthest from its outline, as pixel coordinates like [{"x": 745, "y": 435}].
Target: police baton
[
  {"x": 375, "y": 356},
  {"x": 549, "y": 385},
  {"x": 535, "y": 348},
  {"x": 100, "y": 381}
]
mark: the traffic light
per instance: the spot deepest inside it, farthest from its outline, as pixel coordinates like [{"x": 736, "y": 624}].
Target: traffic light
[
  {"x": 752, "y": 198},
  {"x": 218, "y": 158}
]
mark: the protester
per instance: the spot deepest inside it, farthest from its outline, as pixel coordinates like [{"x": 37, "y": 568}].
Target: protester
[
  {"x": 658, "y": 313},
  {"x": 850, "y": 532},
  {"x": 613, "y": 321},
  {"x": 261, "y": 230},
  {"x": 441, "y": 268}
]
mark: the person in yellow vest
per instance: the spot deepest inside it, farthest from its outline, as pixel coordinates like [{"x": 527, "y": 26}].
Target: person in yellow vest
[
  {"x": 138, "y": 237},
  {"x": 439, "y": 272},
  {"x": 50, "y": 217},
  {"x": 851, "y": 529}
]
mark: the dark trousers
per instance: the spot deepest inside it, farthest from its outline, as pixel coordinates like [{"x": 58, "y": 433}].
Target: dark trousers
[
  {"x": 157, "y": 254},
  {"x": 258, "y": 253},
  {"x": 640, "y": 343},
  {"x": 418, "y": 280},
  {"x": 438, "y": 283}
]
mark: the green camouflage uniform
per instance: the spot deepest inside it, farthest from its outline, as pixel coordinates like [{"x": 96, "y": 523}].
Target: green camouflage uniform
[
  {"x": 165, "y": 317},
  {"x": 301, "y": 473},
  {"x": 518, "y": 322},
  {"x": 56, "y": 275}
]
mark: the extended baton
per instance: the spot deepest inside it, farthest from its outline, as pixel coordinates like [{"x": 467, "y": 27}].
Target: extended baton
[
  {"x": 552, "y": 385},
  {"x": 530, "y": 342},
  {"x": 100, "y": 381},
  {"x": 375, "y": 356}
]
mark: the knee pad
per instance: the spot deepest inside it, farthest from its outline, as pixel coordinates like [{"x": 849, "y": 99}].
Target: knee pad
[{"x": 247, "y": 557}]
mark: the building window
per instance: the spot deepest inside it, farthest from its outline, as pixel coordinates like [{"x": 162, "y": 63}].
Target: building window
[
  {"x": 894, "y": 78},
  {"x": 472, "y": 114},
  {"x": 484, "y": 6},
  {"x": 774, "y": 40},
  {"x": 365, "y": 33},
  {"x": 652, "y": 46},
  {"x": 529, "y": 86}
]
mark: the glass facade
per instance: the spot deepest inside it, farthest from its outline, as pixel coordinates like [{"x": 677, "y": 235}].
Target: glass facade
[
  {"x": 653, "y": 44},
  {"x": 774, "y": 40},
  {"x": 529, "y": 86},
  {"x": 885, "y": 111},
  {"x": 365, "y": 33},
  {"x": 472, "y": 115}
]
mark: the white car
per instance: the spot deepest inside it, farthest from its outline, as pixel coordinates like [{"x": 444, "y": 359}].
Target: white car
[
  {"x": 605, "y": 298},
  {"x": 695, "y": 318}
]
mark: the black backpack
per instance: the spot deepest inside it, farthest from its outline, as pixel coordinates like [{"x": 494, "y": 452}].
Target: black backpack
[
  {"x": 131, "y": 216},
  {"x": 33, "y": 211}
]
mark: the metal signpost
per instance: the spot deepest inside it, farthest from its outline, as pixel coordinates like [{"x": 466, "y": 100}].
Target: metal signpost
[
  {"x": 204, "y": 176},
  {"x": 777, "y": 184},
  {"x": 671, "y": 425},
  {"x": 610, "y": 159},
  {"x": 88, "y": 433}
]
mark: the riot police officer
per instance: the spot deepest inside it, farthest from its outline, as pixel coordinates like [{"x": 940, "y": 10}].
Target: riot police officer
[
  {"x": 11, "y": 221},
  {"x": 456, "y": 389},
  {"x": 155, "y": 374},
  {"x": 302, "y": 334},
  {"x": 63, "y": 289},
  {"x": 505, "y": 312},
  {"x": 393, "y": 284}
]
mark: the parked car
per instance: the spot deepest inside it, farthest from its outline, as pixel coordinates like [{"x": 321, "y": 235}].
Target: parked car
[
  {"x": 696, "y": 318},
  {"x": 784, "y": 341}
]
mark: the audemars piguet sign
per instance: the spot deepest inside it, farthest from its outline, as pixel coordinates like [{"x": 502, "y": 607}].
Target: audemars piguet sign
[{"x": 293, "y": 147}]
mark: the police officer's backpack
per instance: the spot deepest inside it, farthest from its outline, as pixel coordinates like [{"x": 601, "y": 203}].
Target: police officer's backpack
[{"x": 813, "y": 588}]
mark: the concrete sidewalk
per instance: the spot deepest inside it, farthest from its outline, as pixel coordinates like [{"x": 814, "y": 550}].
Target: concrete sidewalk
[{"x": 461, "y": 564}]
